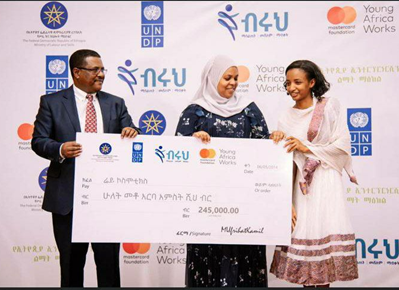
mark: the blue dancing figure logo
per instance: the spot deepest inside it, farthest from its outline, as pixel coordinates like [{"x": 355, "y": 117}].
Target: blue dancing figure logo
[
  {"x": 224, "y": 16},
  {"x": 130, "y": 79},
  {"x": 160, "y": 153}
]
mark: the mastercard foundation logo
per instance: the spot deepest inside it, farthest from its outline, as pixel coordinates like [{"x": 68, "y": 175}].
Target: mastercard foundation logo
[
  {"x": 243, "y": 74},
  {"x": 207, "y": 153},
  {"x": 139, "y": 248},
  {"x": 25, "y": 131},
  {"x": 338, "y": 15}
]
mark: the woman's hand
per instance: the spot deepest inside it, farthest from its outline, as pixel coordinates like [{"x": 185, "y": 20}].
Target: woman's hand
[
  {"x": 294, "y": 144},
  {"x": 293, "y": 218},
  {"x": 204, "y": 136},
  {"x": 277, "y": 136}
]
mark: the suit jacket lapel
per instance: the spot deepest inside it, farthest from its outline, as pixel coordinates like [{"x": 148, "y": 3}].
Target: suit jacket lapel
[
  {"x": 105, "y": 109},
  {"x": 70, "y": 106}
]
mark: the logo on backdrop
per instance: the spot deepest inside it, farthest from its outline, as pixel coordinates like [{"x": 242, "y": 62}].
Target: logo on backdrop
[
  {"x": 25, "y": 131},
  {"x": 164, "y": 80},
  {"x": 266, "y": 24},
  {"x": 54, "y": 15},
  {"x": 227, "y": 20},
  {"x": 167, "y": 254},
  {"x": 379, "y": 19},
  {"x": 139, "y": 248},
  {"x": 377, "y": 252},
  {"x": 172, "y": 155},
  {"x": 43, "y": 179},
  {"x": 359, "y": 123},
  {"x": 152, "y": 24},
  {"x": 152, "y": 123},
  {"x": 53, "y": 35},
  {"x": 342, "y": 20},
  {"x": 338, "y": 15},
  {"x": 137, "y": 153},
  {"x": 56, "y": 73},
  {"x": 127, "y": 76},
  {"x": 105, "y": 148}
]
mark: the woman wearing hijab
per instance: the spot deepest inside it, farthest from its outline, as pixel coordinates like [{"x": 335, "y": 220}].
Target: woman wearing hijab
[{"x": 218, "y": 111}]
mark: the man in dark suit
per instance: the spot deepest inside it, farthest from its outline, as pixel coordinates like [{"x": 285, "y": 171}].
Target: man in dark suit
[{"x": 81, "y": 108}]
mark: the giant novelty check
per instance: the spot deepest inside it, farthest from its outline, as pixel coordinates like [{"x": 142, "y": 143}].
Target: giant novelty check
[{"x": 167, "y": 189}]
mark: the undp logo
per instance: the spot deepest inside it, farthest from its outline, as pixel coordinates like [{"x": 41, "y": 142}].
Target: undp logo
[
  {"x": 359, "y": 120},
  {"x": 137, "y": 154},
  {"x": 359, "y": 124},
  {"x": 56, "y": 73},
  {"x": 338, "y": 15},
  {"x": 152, "y": 123},
  {"x": 43, "y": 179},
  {"x": 152, "y": 24},
  {"x": 54, "y": 15},
  {"x": 57, "y": 66},
  {"x": 105, "y": 148},
  {"x": 139, "y": 248}
]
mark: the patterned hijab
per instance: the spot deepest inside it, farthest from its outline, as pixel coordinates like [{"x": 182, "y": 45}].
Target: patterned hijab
[{"x": 207, "y": 95}]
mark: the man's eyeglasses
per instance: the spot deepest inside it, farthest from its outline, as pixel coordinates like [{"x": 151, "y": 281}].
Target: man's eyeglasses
[{"x": 96, "y": 71}]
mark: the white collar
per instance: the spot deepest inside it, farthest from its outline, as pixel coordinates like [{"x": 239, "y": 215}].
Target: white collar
[{"x": 81, "y": 95}]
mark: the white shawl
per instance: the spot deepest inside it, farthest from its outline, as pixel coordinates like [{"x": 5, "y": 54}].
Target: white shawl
[{"x": 331, "y": 145}]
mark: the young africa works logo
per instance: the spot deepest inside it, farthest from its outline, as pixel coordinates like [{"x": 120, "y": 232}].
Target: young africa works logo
[{"x": 54, "y": 15}]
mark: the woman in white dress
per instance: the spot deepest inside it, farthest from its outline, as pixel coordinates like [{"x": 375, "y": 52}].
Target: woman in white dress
[{"x": 322, "y": 247}]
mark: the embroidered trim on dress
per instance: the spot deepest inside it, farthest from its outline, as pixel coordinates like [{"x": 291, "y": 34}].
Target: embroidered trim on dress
[
  {"x": 336, "y": 262},
  {"x": 341, "y": 268},
  {"x": 321, "y": 252},
  {"x": 313, "y": 242}
]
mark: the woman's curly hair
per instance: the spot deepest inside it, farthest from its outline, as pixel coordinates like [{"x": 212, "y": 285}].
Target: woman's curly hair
[{"x": 312, "y": 72}]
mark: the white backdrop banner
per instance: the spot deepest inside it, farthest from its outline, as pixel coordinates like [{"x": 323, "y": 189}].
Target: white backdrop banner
[{"x": 154, "y": 52}]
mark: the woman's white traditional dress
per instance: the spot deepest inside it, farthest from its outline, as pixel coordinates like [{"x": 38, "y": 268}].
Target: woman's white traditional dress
[{"x": 323, "y": 242}]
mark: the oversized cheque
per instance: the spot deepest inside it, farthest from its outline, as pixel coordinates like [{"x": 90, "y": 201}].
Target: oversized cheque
[{"x": 179, "y": 190}]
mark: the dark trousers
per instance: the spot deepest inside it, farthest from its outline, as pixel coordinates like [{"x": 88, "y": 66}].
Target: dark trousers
[{"x": 73, "y": 256}]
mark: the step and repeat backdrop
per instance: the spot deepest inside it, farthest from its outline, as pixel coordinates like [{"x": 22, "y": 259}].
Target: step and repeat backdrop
[{"x": 154, "y": 52}]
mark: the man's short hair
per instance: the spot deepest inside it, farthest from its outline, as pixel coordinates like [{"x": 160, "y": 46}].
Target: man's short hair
[{"x": 78, "y": 58}]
